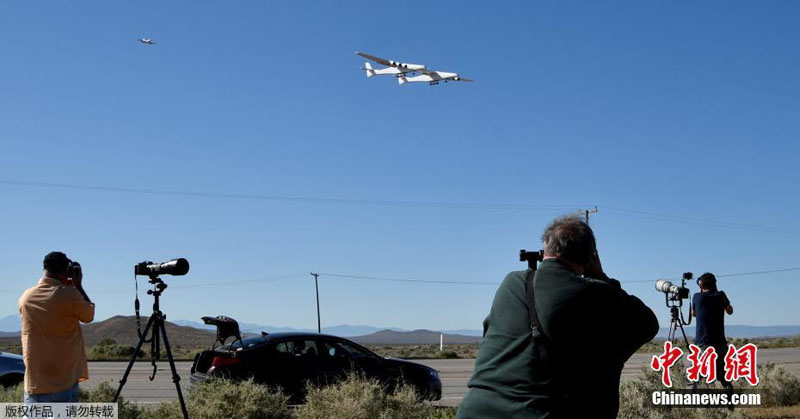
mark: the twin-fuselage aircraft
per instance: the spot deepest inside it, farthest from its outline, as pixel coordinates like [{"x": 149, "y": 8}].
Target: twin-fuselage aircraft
[{"x": 408, "y": 73}]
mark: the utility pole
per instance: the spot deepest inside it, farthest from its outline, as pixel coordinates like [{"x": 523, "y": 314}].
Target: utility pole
[
  {"x": 587, "y": 212},
  {"x": 316, "y": 285}
]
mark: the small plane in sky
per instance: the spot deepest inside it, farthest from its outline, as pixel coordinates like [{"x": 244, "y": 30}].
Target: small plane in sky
[
  {"x": 407, "y": 73},
  {"x": 147, "y": 41}
]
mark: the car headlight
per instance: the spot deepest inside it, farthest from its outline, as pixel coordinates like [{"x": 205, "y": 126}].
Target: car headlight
[{"x": 434, "y": 373}]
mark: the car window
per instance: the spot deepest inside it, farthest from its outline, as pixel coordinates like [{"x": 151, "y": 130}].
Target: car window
[
  {"x": 332, "y": 349},
  {"x": 285, "y": 348},
  {"x": 354, "y": 351},
  {"x": 247, "y": 343},
  {"x": 305, "y": 348}
]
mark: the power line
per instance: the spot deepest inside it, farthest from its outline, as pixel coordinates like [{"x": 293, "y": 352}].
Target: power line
[
  {"x": 247, "y": 281},
  {"x": 410, "y": 280},
  {"x": 404, "y": 203},
  {"x": 701, "y": 221},
  {"x": 729, "y": 275},
  {"x": 497, "y": 283},
  {"x": 425, "y": 281},
  {"x": 204, "y": 285},
  {"x": 294, "y": 199},
  {"x": 759, "y": 272}
]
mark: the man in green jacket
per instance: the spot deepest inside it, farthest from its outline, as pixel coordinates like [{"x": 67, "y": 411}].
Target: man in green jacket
[{"x": 588, "y": 328}]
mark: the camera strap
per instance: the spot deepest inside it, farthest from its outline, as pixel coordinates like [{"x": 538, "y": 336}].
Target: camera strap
[{"x": 536, "y": 330}]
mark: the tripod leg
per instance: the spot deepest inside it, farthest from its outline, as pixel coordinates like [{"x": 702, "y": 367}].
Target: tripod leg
[
  {"x": 154, "y": 347},
  {"x": 133, "y": 358},
  {"x": 176, "y": 378},
  {"x": 671, "y": 334},
  {"x": 685, "y": 340}
]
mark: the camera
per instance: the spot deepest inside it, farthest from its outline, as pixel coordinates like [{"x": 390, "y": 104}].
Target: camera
[
  {"x": 673, "y": 291},
  {"x": 73, "y": 269},
  {"x": 526, "y": 256},
  {"x": 531, "y": 257},
  {"x": 178, "y": 266}
]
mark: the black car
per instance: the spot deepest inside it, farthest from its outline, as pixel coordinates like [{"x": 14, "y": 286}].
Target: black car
[
  {"x": 12, "y": 369},
  {"x": 289, "y": 360}
]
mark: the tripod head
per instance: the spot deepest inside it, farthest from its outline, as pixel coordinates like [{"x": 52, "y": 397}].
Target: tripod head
[{"x": 158, "y": 286}]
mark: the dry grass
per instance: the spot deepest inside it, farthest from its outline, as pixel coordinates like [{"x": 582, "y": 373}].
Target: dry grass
[
  {"x": 455, "y": 351},
  {"x": 779, "y": 389}
]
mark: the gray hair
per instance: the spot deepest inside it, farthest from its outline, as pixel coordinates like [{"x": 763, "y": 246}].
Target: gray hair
[{"x": 571, "y": 238}]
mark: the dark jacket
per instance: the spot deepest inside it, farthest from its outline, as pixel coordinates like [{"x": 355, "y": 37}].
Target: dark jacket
[{"x": 591, "y": 328}]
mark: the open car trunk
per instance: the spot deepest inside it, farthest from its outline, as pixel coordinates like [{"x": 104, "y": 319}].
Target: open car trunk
[{"x": 226, "y": 328}]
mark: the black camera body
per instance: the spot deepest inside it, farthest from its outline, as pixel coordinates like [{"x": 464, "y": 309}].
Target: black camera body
[
  {"x": 176, "y": 267},
  {"x": 73, "y": 269},
  {"x": 531, "y": 257}
]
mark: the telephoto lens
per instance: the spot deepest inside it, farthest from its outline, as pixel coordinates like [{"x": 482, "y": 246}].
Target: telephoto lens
[
  {"x": 176, "y": 267},
  {"x": 665, "y": 286}
]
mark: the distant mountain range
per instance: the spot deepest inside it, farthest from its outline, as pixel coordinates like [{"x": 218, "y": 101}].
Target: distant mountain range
[
  {"x": 393, "y": 337},
  {"x": 740, "y": 331},
  {"x": 9, "y": 323},
  {"x": 9, "y": 326},
  {"x": 344, "y": 330},
  {"x": 122, "y": 329}
]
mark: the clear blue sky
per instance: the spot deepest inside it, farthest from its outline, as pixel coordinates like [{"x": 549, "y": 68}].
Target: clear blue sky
[{"x": 675, "y": 108}]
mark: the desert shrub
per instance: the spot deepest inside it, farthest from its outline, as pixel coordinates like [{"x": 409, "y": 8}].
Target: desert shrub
[
  {"x": 219, "y": 398},
  {"x": 113, "y": 351},
  {"x": 104, "y": 393},
  {"x": 443, "y": 412},
  {"x": 11, "y": 394},
  {"x": 357, "y": 397},
  {"x": 777, "y": 386},
  {"x": 635, "y": 398},
  {"x": 447, "y": 355}
]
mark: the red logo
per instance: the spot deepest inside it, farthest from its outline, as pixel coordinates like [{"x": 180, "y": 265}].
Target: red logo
[
  {"x": 739, "y": 363},
  {"x": 702, "y": 365},
  {"x": 663, "y": 363}
]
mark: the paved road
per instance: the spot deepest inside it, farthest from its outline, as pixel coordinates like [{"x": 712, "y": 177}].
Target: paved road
[{"x": 454, "y": 372}]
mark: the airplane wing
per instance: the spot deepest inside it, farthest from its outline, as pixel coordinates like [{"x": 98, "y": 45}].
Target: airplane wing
[
  {"x": 433, "y": 74},
  {"x": 437, "y": 75},
  {"x": 373, "y": 58}
]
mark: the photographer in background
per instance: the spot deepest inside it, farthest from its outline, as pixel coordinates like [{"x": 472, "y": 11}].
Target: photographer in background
[
  {"x": 709, "y": 307},
  {"x": 588, "y": 327},
  {"x": 52, "y": 341}
]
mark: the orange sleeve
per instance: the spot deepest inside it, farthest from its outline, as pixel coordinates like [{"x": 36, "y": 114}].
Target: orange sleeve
[{"x": 83, "y": 309}]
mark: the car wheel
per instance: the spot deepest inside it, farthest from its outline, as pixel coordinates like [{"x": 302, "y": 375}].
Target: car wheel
[{"x": 11, "y": 380}]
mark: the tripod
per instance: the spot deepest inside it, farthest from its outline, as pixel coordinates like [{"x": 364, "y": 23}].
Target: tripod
[
  {"x": 156, "y": 322},
  {"x": 676, "y": 323}
]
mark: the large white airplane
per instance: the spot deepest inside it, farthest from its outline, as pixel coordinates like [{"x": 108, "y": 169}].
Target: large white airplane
[
  {"x": 433, "y": 77},
  {"x": 406, "y": 73},
  {"x": 147, "y": 41},
  {"x": 394, "y": 68}
]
